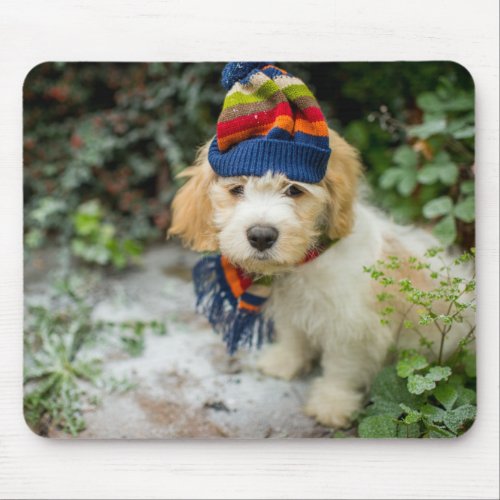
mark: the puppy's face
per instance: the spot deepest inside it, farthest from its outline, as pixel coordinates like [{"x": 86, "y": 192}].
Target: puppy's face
[{"x": 265, "y": 224}]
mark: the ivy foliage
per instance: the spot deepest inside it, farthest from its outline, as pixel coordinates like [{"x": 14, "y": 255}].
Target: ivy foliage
[{"x": 117, "y": 133}]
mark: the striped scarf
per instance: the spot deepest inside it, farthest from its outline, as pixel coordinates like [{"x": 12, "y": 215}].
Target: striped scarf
[{"x": 232, "y": 300}]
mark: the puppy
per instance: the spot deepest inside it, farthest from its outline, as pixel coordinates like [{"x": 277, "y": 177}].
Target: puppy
[{"x": 325, "y": 309}]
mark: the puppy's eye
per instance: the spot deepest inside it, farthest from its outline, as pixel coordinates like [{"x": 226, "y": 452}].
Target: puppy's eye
[
  {"x": 237, "y": 190},
  {"x": 293, "y": 191}
]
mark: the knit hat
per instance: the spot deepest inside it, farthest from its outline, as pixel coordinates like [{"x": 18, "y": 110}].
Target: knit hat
[{"x": 270, "y": 121}]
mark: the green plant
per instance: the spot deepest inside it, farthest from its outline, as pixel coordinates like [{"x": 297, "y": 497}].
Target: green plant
[
  {"x": 432, "y": 174},
  {"x": 95, "y": 240},
  {"x": 55, "y": 370},
  {"x": 438, "y": 402},
  {"x": 114, "y": 132},
  {"x": 424, "y": 394},
  {"x": 132, "y": 333},
  {"x": 63, "y": 377}
]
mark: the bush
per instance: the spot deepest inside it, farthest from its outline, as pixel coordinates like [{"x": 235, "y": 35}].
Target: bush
[
  {"x": 118, "y": 133},
  {"x": 96, "y": 241},
  {"x": 423, "y": 394},
  {"x": 432, "y": 176}
]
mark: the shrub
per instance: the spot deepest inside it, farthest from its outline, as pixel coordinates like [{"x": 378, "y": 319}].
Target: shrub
[
  {"x": 96, "y": 241},
  {"x": 118, "y": 133},
  {"x": 423, "y": 394},
  {"x": 433, "y": 174}
]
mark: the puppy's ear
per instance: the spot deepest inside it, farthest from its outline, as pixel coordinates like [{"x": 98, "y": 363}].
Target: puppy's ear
[
  {"x": 341, "y": 179},
  {"x": 192, "y": 209}
]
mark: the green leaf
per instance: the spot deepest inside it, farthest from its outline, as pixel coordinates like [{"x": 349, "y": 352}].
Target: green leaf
[
  {"x": 429, "y": 102},
  {"x": 47, "y": 208},
  {"x": 357, "y": 133},
  {"x": 410, "y": 362},
  {"x": 466, "y": 210},
  {"x": 448, "y": 173},
  {"x": 464, "y": 133},
  {"x": 446, "y": 394},
  {"x": 437, "y": 207},
  {"x": 456, "y": 419},
  {"x": 86, "y": 224},
  {"x": 456, "y": 380},
  {"x": 441, "y": 158},
  {"x": 418, "y": 384},
  {"x": 432, "y": 413},
  {"x": 407, "y": 183},
  {"x": 390, "y": 178},
  {"x": 437, "y": 373},
  {"x": 34, "y": 238},
  {"x": 470, "y": 364},
  {"x": 427, "y": 129},
  {"x": 409, "y": 430},
  {"x": 439, "y": 432},
  {"x": 91, "y": 208},
  {"x": 387, "y": 394},
  {"x": 340, "y": 435},
  {"x": 132, "y": 247},
  {"x": 378, "y": 426},
  {"x": 462, "y": 101},
  {"x": 467, "y": 187},
  {"x": 466, "y": 396},
  {"x": 446, "y": 230},
  {"x": 405, "y": 157},
  {"x": 412, "y": 417},
  {"x": 445, "y": 100},
  {"x": 461, "y": 126},
  {"x": 429, "y": 174}
]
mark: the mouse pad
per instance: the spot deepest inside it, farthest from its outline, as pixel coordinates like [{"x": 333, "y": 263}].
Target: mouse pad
[{"x": 249, "y": 250}]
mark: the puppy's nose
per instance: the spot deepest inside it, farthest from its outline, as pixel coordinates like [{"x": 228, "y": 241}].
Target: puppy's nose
[{"x": 262, "y": 237}]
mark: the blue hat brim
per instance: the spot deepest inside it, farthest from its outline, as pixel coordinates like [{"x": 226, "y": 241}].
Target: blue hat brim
[{"x": 256, "y": 157}]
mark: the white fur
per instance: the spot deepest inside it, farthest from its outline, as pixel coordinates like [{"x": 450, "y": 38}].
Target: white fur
[
  {"x": 323, "y": 310},
  {"x": 326, "y": 309}
]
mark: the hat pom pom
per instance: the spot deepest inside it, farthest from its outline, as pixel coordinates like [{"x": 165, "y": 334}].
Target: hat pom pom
[{"x": 235, "y": 71}]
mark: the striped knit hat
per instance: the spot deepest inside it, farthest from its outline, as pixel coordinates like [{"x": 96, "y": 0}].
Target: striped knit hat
[{"x": 270, "y": 121}]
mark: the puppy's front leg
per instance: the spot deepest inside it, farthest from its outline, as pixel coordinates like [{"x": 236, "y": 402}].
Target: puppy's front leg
[
  {"x": 291, "y": 354},
  {"x": 340, "y": 392}
]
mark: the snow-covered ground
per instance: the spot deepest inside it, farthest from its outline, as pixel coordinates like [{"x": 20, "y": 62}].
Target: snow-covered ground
[{"x": 185, "y": 383}]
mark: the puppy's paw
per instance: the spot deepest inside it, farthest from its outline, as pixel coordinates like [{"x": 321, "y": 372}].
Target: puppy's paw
[
  {"x": 280, "y": 362},
  {"x": 331, "y": 405}
]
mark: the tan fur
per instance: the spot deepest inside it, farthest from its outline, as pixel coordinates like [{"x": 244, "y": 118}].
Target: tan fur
[
  {"x": 393, "y": 247},
  {"x": 192, "y": 208},
  {"x": 324, "y": 309},
  {"x": 297, "y": 219},
  {"x": 341, "y": 179}
]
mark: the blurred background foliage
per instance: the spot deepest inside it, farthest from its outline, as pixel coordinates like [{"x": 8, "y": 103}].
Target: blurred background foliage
[{"x": 103, "y": 143}]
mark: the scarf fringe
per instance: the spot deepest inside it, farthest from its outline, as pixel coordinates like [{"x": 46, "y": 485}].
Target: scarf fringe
[{"x": 216, "y": 301}]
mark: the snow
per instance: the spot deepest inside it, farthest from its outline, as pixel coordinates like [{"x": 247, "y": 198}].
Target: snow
[{"x": 185, "y": 384}]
